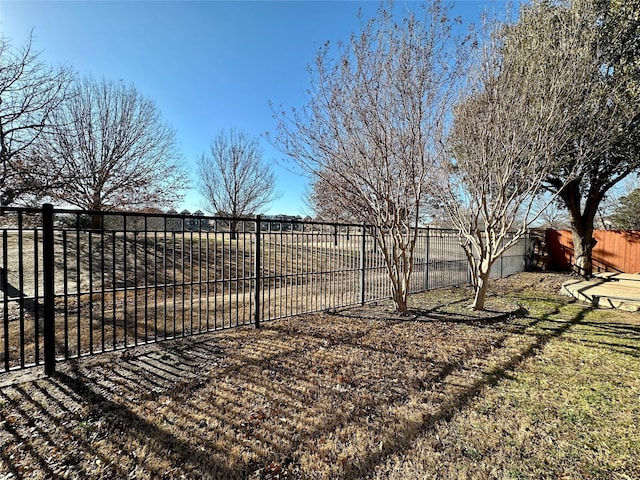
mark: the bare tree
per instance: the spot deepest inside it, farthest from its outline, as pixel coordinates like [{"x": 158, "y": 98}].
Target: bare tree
[
  {"x": 233, "y": 178},
  {"x": 114, "y": 151},
  {"x": 526, "y": 89},
  {"x": 373, "y": 126},
  {"x": 333, "y": 204},
  {"x": 29, "y": 93},
  {"x": 552, "y": 213}
]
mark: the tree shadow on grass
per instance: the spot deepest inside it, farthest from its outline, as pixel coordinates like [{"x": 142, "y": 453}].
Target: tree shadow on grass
[
  {"x": 615, "y": 336},
  {"x": 547, "y": 330},
  {"x": 322, "y": 396}
]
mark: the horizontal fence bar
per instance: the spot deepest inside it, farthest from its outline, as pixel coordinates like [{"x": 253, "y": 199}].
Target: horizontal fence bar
[{"x": 144, "y": 278}]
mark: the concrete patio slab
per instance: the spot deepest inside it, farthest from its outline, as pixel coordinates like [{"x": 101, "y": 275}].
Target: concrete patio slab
[
  {"x": 632, "y": 277},
  {"x": 619, "y": 292}
]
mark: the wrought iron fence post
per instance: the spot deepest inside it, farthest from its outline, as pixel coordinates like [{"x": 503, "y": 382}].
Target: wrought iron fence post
[
  {"x": 426, "y": 260},
  {"x": 363, "y": 250},
  {"x": 49, "y": 289},
  {"x": 258, "y": 273}
]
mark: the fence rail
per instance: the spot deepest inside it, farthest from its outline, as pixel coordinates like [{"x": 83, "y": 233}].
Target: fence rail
[{"x": 67, "y": 290}]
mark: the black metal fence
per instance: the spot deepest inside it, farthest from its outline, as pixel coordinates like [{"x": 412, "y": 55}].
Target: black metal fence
[{"x": 68, "y": 290}]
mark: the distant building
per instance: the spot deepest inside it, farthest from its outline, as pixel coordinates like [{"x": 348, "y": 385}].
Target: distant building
[
  {"x": 195, "y": 221},
  {"x": 281, "y": 222}
]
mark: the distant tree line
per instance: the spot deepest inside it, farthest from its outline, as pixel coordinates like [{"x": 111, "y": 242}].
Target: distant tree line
[{"x": 626, "y": 215}]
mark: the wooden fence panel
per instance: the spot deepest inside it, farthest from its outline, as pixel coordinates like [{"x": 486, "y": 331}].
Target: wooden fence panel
[{"x": 615, "y": 250}]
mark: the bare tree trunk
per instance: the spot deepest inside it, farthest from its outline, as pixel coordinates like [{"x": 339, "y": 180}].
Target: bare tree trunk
[
  {"x": 233, "y": 230},
  {"x": 581, "y": 226},
  {"x": 96, "y": 221},
  {"x": 481, "y": 285},
  {"x": 398, "y": 257},
  {"x": 400, "y": 299}
]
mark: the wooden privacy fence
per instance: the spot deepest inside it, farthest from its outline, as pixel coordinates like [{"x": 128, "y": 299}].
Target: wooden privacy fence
[{"x": 615, "y": 250}]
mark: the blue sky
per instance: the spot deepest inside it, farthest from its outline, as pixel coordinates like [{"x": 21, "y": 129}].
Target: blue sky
[{"x": 208, "y": 65}]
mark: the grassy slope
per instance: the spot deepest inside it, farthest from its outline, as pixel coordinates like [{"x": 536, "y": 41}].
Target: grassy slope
[{"x": 553, "y": 392}]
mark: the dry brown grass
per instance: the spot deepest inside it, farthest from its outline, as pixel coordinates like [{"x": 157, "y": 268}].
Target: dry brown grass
[{"x": 536, "y": 388}]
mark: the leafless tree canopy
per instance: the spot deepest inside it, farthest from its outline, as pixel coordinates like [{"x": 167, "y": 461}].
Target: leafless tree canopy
[
  {"x": 552, "y": 213},
  {"x": 371, "y": 131},
  {"x": 332, "y": 204},
  {"x": 29, "y": 93},
  {"x": 529, "y": 83},
  {"x": 113, "y": 149},
  {"x": 233, "y": 178}
]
